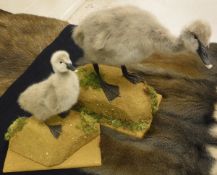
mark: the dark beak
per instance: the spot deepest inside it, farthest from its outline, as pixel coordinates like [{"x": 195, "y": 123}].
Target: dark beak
[
  {"x": 70, "y": 67},
  {"x": 202, "y": 52}
]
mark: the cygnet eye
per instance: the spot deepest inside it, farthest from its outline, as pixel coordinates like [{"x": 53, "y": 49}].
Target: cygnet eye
[{"x": 61, "y": 62}]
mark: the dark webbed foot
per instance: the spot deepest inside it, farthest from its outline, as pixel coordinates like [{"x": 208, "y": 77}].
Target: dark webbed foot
[
  {"x": 64, "y": 114},
  {"x": 55, "y": 130},
  {"x": 132, "y": 77},
  {"x": 111, "y": 91}
]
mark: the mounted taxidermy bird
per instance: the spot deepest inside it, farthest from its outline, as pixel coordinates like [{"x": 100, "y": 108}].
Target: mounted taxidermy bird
[
  {"x": 39, "y": 70},
  {"x": 126, "y": 35},
  {"x": 176, "y": 142},
  {"x": 54, "y": 95}
]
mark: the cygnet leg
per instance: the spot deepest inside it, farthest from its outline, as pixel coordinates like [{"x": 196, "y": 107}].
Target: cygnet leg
[
  {"x": 111, "y": 91},
  {"x": 55, "y": 130},
  {"x": 132, "y": 77},
  {"x": 64, "y": 114}
]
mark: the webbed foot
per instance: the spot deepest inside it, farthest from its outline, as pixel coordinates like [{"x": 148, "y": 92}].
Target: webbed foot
[
  {"x": 132, "y": 77},
  {"x": 55, "y": 130},
  {"x": 111, "y": 91}
]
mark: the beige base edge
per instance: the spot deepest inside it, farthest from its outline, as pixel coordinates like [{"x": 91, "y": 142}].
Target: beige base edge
[
  {"x": 137, "y": 134},
  {"x": 87, "y": 156}
]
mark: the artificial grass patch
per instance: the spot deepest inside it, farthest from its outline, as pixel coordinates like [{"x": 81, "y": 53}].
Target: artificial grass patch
[
  {"x": 88, "y": 124},
  {"x": 15, "y": 127},
  {"x": 88, "y": 78},
  {"x": 154, "y": 100}
]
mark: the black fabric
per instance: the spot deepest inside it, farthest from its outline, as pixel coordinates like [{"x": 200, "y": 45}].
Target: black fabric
[{"x": 39, "y": 70}]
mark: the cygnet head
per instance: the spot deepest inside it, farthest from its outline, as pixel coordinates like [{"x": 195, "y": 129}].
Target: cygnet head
[
  {"x": 61, "y": 62},
  {"x": 196, "y": 38}
]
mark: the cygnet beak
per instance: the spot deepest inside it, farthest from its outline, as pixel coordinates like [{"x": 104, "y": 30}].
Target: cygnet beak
[
  {"x": 70, "y": 66},
  {"x": 202, "y": 52},
  {"x": 209, "y": 66}
]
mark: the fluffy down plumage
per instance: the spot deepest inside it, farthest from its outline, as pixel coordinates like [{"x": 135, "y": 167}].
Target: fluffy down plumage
[
  {"x": 127, "y": 34},
  {"x": 57, "y": 94}
]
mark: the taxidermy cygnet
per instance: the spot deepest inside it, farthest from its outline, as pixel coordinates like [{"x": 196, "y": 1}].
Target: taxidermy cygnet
[
  {"x": 127, "y": 35},
  {"x": 57, "y": 94}
]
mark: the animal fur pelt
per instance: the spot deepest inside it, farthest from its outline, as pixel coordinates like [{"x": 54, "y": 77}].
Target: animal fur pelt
[
  {"x": 182, "y": 138},
  {"x": 22, "y": 38}
]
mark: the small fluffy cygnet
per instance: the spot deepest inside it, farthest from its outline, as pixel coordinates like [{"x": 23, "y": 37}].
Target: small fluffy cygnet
[
  {"x": 126, "y": 35},
  {"x": 56, "y": 94}
]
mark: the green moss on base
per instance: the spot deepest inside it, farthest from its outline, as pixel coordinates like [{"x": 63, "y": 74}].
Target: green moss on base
[
  {"x": 116, "y": 123},
  {"x": 88, "y": 78},
  {"x": 16, "y": 126},
  {"x": 88, "y": 123},
  {"x": 154, "y": 99}
]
